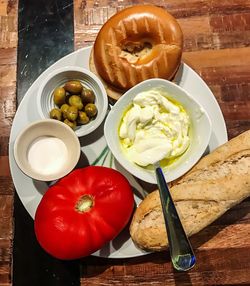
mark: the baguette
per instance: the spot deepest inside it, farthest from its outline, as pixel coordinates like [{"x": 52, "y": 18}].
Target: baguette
[{"x": 216, "y": 183}]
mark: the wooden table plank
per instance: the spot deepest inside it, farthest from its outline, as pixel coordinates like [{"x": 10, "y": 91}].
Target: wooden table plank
[
  {"x": 45, "y": 35},
  {"x": 8, "y": 60}
]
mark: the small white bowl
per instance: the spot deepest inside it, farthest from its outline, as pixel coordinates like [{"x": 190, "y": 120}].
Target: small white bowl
[
  {"x": 44, "y": 129},
  {"x": 57, "y": 78},
  {"x": 200, "y": 122}
]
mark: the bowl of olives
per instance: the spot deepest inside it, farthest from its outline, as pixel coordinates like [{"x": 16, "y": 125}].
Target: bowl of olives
[{"x": 74, "y": 96}]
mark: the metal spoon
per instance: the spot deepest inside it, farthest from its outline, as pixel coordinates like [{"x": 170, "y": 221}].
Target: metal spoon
[{"x": 181, "y": 251}]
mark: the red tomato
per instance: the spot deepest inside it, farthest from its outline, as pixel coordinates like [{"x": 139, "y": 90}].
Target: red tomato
[{"x": 83, "y": 211}]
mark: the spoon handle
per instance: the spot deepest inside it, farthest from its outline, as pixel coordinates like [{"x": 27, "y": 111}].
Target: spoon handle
[{"x": 181, "y": 251}]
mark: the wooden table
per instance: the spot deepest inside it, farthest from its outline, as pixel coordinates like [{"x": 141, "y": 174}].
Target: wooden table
[{"x": 217, "y": 40}]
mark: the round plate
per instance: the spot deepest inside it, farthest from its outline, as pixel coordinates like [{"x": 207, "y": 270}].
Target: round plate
[{"x": 94, "y": 147}]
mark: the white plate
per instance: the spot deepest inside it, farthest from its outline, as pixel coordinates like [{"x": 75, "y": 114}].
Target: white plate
[{"x": 94, "y": 145}]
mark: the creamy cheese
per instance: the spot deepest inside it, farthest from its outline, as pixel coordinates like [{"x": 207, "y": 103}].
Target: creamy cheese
[{"x": 154, "y": 128}]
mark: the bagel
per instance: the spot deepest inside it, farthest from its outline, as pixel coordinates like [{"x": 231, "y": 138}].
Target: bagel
[{"x": 136, "y": 44}]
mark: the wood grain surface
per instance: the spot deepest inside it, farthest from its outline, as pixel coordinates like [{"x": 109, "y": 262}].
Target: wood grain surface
[
  {"x": 8, "y": 57},
  {"x": 217, "y": 46}
]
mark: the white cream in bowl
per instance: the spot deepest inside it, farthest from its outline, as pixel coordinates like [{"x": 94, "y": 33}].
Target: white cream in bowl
[
  {"x": 47, "y": 150},
  {"x": 154, "y": 128},
  {"x": 47, "y": 155}
]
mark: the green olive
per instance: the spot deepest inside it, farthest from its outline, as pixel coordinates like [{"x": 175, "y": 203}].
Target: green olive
[
  {"x": 64, "y": 108},
  {"x": 55, "y": 113},
  {"x": 83, "y": 118},
  {"x": 87, "y": 95},
  {"x": 72, "y": 113},
  {"x": 75, "y": 100},
  {"x": 71, "y": 124},
  {"x": 73, "y": 87},
  {"x": 90, "y": 109},
  {"x": 59, "y": 96}
]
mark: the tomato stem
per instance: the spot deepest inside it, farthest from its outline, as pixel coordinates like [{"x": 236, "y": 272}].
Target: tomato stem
[{"x": 84, "y": 204}]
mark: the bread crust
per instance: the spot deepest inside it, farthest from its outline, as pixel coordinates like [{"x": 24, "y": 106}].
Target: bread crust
[
  {"x": 216, "y": 183},
  {"x": 113, "y": 93},
  {"x": 138, "y": 27}
]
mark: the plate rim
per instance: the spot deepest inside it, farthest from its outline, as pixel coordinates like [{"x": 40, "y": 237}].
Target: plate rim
[{"x": 86, "y": 50}]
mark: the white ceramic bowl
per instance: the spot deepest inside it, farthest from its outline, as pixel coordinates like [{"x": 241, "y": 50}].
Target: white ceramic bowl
[
  {"x": 50, "y": 169},
  {"x": 200, "y": 122},
  {"x": 58, "y": 78}
]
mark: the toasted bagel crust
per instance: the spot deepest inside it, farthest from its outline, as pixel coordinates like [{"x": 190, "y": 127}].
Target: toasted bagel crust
[{"x": 115, "y": 50}]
